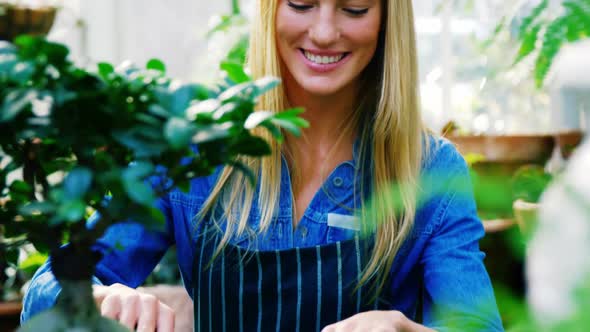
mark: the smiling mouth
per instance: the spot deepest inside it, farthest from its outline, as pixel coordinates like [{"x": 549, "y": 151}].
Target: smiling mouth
[{"x": 323, "y": 59}]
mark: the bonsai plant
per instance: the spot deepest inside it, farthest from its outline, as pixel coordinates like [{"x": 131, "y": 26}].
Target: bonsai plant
[{"x": 127, "y": 133}]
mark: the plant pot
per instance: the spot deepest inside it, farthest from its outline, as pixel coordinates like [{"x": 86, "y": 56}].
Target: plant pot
[
  {"x": 568, "y": 141},
  {"x": 526, "y": 214},
  {"x": 497, "y": 157},
  {"x": 9, "y": 315},
  {"x": 519, "y": 149},
  {"x": 16, "y": 20}
]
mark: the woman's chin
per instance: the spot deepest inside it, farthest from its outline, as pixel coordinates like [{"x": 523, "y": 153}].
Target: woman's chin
[{"x": 322, "y": 88}]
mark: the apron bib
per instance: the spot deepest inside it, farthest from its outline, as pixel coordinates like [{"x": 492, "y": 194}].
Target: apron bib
[{"x": 298, "y": 289}]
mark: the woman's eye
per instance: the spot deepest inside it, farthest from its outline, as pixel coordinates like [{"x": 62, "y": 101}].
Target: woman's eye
[
  {"x": 298, "y": 7},
  {"x": 356, "y": 12}
]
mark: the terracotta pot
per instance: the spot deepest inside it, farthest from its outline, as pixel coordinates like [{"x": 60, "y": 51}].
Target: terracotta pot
[
  {"x": 15, "y": 20},
  {"x": 568, "y": 141},
  {"x": 9, "y": 315},
  {"x": 507, "y": 148}
]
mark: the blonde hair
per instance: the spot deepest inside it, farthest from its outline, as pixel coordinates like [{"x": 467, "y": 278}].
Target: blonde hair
[{"x": 390, "y": 127}]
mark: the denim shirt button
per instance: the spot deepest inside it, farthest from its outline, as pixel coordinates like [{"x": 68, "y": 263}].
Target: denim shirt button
[
  {"x": 303, "y": 231},
  {"x": 337, "y": 181}
]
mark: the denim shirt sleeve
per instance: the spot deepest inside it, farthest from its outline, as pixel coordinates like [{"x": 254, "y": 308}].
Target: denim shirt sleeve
[
  {"x": 458, "y": 294},
  {"x": 140, "y": 251}
]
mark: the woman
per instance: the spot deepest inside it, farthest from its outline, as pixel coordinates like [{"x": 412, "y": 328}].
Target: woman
[{"x": 288, "y": 254}]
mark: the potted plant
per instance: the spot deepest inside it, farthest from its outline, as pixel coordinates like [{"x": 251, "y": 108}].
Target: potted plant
[
  {"x": 493, "y": 160},
  {"x": 131, "y": 133},
  {"x": 18, "y": 18}
]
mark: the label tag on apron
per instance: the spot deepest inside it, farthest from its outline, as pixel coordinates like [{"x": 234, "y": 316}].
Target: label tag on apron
[{"x": 344, "y": 221}]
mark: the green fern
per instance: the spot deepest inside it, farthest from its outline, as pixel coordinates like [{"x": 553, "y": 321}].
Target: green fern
[{"x": 548, "y": 35}]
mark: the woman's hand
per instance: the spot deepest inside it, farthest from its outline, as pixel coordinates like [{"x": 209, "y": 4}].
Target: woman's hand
[
  {"x": 134, "y": 309},
  {"x": 373, "y": 321}
]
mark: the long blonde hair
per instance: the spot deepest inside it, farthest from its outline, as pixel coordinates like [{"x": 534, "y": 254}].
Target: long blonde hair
[{"x": 390, "y": 129}]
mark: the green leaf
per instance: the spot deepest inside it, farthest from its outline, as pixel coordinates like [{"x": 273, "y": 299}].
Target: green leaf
[
  {"x": 224, "y": 112},
  {"x": 225, "y": 23},
  {"x": 22, "y": 72},
  {"x": 552, "y": 41},
  {"x": 138, "y": 170},
  {"x": 27, "y": 42},
  {"x": 20, "y": 191},
  {"x": 237, "y": 54},
  {"x": 133, "y": 140},
  {"x": 274, "y": 130},
  {"x": 20, "y": 187},
  {"x": 77, "y": 183},
  {"x": 203, "y": 110},
  {"x": 32, "y": 263},
  {"x": 36, "y": 208},
  {"x": 6, "y": 47},
  {"x": 156, "y": 64},
  {"x": 253, "y": 146},
  {"x": 138, "y": 191},
  {"x": 212, "y": 132},
  {"x": 528, "y": 44},
  {"x": 56, "y": 53},
  {"x": 7, "y": 62},
  {"x": 158, "y": 110},
  {"x": 528, "y": 21},
  {"x": 242, "y": 90},
  {"x": 71, "y": 211},
  {"x": 235, "y": 72},
  {"x": 134, "y": 184},
  {"x": 181, "y": 99},
  {"x": 179, "y": 132},
  {"x": 201, "y": 92},
  {"x": 290, "y": 113},
  {"x": 288, "y": 125},
  {"x": 256, "y": 118},
  {"x": 16, "y": 102},
  {"x": 265, "y": 84},
  {"x": 105, "y": 70}
]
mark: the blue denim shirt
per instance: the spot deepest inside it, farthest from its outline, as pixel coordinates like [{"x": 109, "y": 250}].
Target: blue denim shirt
[{"x": 439, "y": 267}]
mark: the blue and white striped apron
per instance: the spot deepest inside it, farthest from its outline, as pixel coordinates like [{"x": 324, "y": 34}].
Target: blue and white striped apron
[{"x": 299, "y": 289}]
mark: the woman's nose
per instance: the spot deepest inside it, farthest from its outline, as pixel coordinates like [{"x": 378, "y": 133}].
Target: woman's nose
[{"x": 324, "y": 31}]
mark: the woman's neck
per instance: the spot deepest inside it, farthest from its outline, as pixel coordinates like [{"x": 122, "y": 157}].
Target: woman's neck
[{"x": 330, "y": 117}]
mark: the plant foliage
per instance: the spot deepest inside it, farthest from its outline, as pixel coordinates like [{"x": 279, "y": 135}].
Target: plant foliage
[
  {"x": 70, "y": 137},
  {"x": 543, "y": 31}
]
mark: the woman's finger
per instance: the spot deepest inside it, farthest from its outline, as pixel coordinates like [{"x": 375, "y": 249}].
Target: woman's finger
[
  {"x": 129, "y": 309},
  {"x": 111, "y": 306},
  {"x": 165, "y": 318},
  {"x": 148, "y": 313}
]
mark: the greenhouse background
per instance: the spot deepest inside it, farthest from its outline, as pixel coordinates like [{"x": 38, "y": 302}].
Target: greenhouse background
[{"x": 475, "y": 87}]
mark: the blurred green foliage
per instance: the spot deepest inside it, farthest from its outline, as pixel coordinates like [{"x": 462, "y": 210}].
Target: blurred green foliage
[{"x": 547, "y": 30}]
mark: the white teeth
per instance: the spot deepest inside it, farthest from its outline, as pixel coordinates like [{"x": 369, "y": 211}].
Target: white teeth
[{"x": 323, "y": 60}]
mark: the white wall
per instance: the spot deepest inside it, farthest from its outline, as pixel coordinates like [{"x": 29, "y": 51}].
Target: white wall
[{"x": 138, "y": 30}]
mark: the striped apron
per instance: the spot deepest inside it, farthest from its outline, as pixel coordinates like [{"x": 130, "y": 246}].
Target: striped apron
[{"x": 298, "y": 289}]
